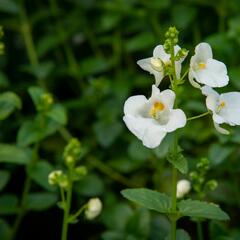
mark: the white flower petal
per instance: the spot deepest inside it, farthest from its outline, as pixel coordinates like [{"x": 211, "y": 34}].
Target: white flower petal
[
  {"x": 168, "y": 98},
  {"x": 220, "y": 129},
  {"x": 218, "y": 119},
  {"x": 177, "y": 119},
  {"x": 206, "y": 90},
  {"x": 155, "y": 92},
  {"x": 203, "y": 51},
  {"x": 211, "y": 102},
  {"x": 133, "y": 105},
  {"x": 191, "y": 79},
  {"x": 145, "y": 64},
  {"x": 231, "y": 111},
  {"x": 214, "y": 75},
  {"x": 159, "y": 52},
  {"x": 153, "y": 136},
  {"x": 137, "y": 125}
]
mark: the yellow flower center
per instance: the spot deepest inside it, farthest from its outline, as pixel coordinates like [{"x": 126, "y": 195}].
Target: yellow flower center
[
  {"x": 157, "y": 107},
  {"x": 221, "y": 105},
  {"x": 202, "y": 65}
]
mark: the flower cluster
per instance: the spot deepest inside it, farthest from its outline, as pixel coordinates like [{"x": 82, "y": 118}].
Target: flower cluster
[{"x": 151, "y": 119}]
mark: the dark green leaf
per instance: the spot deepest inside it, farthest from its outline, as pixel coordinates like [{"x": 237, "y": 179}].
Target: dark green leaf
[
  {"x": 5, "y": 230},
  {"x": 4, "y": 178},
  {"x": 41, "y": 201},
  {"x": 9, "y": 101},
  {"x": 150, "y": 199},
  {"x": 179, "y": 161},
  {"x": 13, "y": 154},
  {"x": 39, "y": 173},
  {"x": 8, "y": 204},
  {"x": 198, "y": 209},
  {"x": 58, "y": 114}
]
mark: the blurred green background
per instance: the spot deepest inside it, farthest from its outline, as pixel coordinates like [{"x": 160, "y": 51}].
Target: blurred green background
[{"x": 84, "y": 53}]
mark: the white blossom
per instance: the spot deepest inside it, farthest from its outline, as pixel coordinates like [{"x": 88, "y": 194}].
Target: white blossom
[
  {"x": 183, "y": 187},
  {"x": 225, "y": 107},
  {"x": 93, "y": 209},
  {"x": 151, "y": 119},
  {"x": 155, "y": 65},
  {"x": 206, "y": 70}
]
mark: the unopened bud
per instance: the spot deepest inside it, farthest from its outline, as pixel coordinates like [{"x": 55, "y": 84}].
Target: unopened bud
[
  {"x": 54, "y": 176},
  {"x": 211, "y": 185},
  {"x": 94, "y": 207},
  {"x": 183, "y": 187}
]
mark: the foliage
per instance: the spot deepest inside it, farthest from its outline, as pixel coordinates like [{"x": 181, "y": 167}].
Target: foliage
[{"x": 82, "y": 54}]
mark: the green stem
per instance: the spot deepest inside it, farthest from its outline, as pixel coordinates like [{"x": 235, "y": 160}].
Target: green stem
[
  {"x": 198, "y": 116},
  {"x": 22, "y": 209},
  {"x": 174, "y": 193},
  {"x": 26, "y": 189},
  {"x": 67, "y": 207},
  {"x": 74, "y": 216},
  {"x": 28, "y": 40},
  {"x": 199, "y": 230}
]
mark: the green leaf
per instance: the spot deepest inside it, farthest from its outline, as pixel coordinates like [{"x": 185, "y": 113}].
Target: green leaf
[
  {"x": 4, "y": 178},
  {"x": 219, "y": 153},
  {"x": 8, "y": 204},
  {"x": 150, "y": 199},
  {"x": 58, "y": 114},
  {"x": 33, "y": 131},
  {"x": 13, "y": 154},
  {"x": 9, "y": 6},
  {"x": 40, "y": 71},
  {"x": 179, "y": 161},
  {"x": 41, "y": 201},
  {"x": 107, "y": 132},
  {"x": 36, "y": 94},
  {"x": 139, "y": 42},
  {"x": 39, "y": 173},
  {"x": 5, "y": 230},
  {"x": 180, "y": 235},
  {"x": 9, "y": 101},
  {"x": 198, "y": 209}
]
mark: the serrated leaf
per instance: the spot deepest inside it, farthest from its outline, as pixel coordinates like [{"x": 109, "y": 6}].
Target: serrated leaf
[
  {"x": 150, "y": 199},
  {"x": 14, "y": 154},
  {"x": 199, "y": 209},
  {"x": 179, "y": 162},
  {"x": 8, "y": 204},
  {"x": 4, "y": 178},
  {"x": 9, "y": 101},
  {"x": 39, "y": 173},
  {"x": 41, "y": 201}
]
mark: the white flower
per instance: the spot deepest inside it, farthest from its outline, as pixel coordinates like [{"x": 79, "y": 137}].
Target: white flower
[
  {"x": 225, "y": 107},
  {"x": 151, "y": 119},
  {"x": 183, "y": 187},
  {"x": 54, "y": 176},
  {"x": 155, "y": 65},
  {"x": 206, "y": 70},
  {"x": 94, "y": 207}
]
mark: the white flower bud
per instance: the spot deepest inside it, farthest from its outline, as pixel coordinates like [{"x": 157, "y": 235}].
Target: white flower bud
[
  {"x": 54, "y": 176},
  {"x": 183, "y": 187},
  {"x": 94, "y": 207}
]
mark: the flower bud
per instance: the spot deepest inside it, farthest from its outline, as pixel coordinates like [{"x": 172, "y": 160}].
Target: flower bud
[
  {"x": 183, "y": 187},
  {"x": 94, "y": 207},
  {"x": 72, "y": 152},
  {"x": 211, "y": 185},
  {"x": 79, "y": 172},
  {"x": 53, "y": 177},
  {"x": 58, "y": 178}
]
